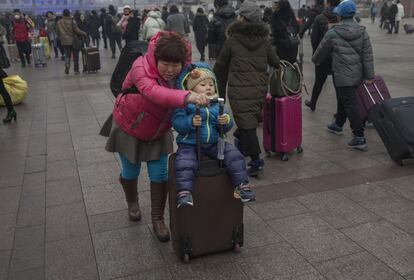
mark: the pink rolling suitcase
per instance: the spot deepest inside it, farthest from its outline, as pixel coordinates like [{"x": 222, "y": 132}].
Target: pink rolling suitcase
[
  {"x": 369, "y": 95},
  {"x": 282, "y": 125}
]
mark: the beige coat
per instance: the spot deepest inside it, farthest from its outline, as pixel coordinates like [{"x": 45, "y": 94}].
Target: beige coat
[{"x": 67, "y": 29}]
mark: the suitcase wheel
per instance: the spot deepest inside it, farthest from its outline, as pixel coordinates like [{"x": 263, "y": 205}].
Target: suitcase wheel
[
  {"x": 186, "y": 258},
  {"x": 236, "y": 248},
  {"x": 285, "y": 156},
  {"x": 299, "y": 150},
  {"x": 399, "y": 162}
]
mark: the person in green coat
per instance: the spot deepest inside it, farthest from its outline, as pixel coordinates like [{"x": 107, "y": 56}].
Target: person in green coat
[{"x": 243, "y": 66}]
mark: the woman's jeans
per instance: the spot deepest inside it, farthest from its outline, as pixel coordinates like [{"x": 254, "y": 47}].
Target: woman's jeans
[
  {"x": 157, "y": 169},
  {"x": 68, "y": 51}
]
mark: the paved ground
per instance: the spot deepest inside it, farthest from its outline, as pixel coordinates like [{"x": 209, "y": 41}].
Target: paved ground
[{"x": 330, "y": 213}]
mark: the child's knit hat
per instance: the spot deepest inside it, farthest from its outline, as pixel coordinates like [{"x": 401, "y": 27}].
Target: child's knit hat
[{"x": 198, "y": 75}]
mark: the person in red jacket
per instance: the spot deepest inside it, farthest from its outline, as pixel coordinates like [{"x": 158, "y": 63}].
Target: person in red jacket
[{"x": 21, "y": 37}]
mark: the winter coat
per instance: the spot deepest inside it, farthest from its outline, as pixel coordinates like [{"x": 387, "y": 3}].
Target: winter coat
[
  {"x": 50, "y": 24},
  {"x": 152, "y": 25},
  {"x": 392, "y": 13},
  {"x": 67, "y": 30},
  {"x": 131, "y": 32},
  {"x": 200, "y": 24},
  {"x": 102, "y": 18},
  {"x": 350, "y": 47},
  {"x": 400, "y": 14},
  {"x": 182, "y": 122},
  {"x": 147, "y": 115},
  {"x": 242, "y": 64},
  {"x": 20, "y": 30},
  {"x": 178, "y": 23},
  {"x": 94, "y": 23},
  {"x": 2, "y": 33},
  {"x": 112, "y": 30},
  {"x": 384, "y": 12},
  {"x": 317, "y": 10},
  {"x": 280, "y": 21},
  {"x": 164, "y": 16},
  {"x": 217, "y": 27},
  {"x": 83, "y": 25}
]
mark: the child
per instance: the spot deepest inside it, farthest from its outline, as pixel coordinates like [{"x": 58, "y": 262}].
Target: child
[{"x": 201, "y": 80}]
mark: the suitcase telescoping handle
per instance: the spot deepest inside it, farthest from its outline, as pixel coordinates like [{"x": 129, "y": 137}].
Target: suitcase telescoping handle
[
  {"x": 370, "y": 95},
  {"x": 221, "y": 141},
  {"x": 198, "y": 140}
]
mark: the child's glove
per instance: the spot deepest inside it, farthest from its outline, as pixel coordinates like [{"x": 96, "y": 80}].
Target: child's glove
[
  {"x": 224, "y": 119},
  {"x": 197, "y": 120}
]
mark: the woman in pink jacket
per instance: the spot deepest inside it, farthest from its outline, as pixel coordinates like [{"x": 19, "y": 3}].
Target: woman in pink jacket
[{"x": 139, "y": 128}]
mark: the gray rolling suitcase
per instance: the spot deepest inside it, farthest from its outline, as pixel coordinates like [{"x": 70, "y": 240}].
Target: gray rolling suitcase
[{"x": 39, "y": 57}]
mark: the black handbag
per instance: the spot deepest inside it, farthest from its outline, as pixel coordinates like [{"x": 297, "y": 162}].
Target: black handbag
[
  {"x": 4, "y": 60},
  {"x": 77, "y": 42}
]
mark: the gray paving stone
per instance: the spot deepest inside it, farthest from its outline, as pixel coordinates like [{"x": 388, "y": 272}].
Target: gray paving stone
[
  {"x": 313, "y": 238},
  {"x": 32, "y": 274},
  {"x": 57, "y": 128},
  {"x": 397, "y": 210},
  {"x": 158, "y": 274},
  {"x": 388, "y": 243},
  {"x": 71, "y": 259},
  {"x": 106, "y": 173},
  {"x": 336, "y": 209},
  {"x": 9, "y": 200},
  {"x": 116, "y": 220},
  {"x": 64, "y": 191},
  {"x": 256, "y": 231},
  {"x": 34, "y": 184},
  {"x": 85, "y": 142},
  {"x": 31, "y": 211},
  {"x": 409, "y": 277},
  {"x": 355, "y": 267},
  {"x": 126, "y": 251},
  {"x": 104, "y": 199},
  {"x": 369, "y": 191},
  {"x": 4, "y": 264},
  {"x": 278, "y": 209},
  {"x": 7, "y": 227},
  {"x": 57, "y": 170},
  {"x": 403, "y": 186},
  {"x": 35, "y": 164},
  {"x": 37, "y": 145},
  {"x": 208, "y": 271},
  {"x": 66, "y": 221},
  {"x": 276, "y": 261},
  {"x": 29, "y": 247},
  {"x": 64, "y": 152},
  {"x": 91, "y": 156}
]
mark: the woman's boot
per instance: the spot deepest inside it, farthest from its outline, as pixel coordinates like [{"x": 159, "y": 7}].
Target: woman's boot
[
  {"x": 159, "y": 192},
  {"x": 11, "y": 114},
  {"x": 131, "y": 196}
]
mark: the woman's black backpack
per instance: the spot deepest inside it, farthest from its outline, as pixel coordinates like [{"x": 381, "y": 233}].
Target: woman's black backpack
[{"x": 129, "y": 54}]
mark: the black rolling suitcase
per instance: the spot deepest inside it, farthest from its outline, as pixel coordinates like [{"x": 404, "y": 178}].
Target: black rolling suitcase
[
  {"x": 215, "y": 222},
  {"x": 409, "y": 28},
  {"x": 91, "y": 60},
  {"x": 394, "y": 121}
]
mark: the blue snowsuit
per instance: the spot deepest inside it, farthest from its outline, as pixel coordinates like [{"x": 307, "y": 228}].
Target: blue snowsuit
[{"x": 186, "y": 157}]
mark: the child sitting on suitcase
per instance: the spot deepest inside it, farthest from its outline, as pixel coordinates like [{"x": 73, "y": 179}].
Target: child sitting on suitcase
[{"x": 200, "y": 79}]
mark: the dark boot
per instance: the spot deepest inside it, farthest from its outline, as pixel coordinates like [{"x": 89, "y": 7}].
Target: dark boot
[
  {"x": 11, "y": 114},
  {"x": 159, "y": 192},
  {"x": 131, "y": 196}
]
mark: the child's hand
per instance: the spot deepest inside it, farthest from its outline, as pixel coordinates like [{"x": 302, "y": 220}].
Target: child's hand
[
  {"x": 223, "y": 119},
  {"x": 197, "y": 120}
]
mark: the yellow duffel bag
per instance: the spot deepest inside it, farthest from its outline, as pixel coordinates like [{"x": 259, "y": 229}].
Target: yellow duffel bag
[
  {"x": 45, "y": 42},
  {"x": 16, "y": 87}
]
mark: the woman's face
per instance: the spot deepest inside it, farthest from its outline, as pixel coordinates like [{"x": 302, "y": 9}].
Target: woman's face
[{"x": 169, "y": 70}]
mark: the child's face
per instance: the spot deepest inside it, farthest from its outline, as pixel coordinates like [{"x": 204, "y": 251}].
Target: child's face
[{"x": 205, "y": 87}]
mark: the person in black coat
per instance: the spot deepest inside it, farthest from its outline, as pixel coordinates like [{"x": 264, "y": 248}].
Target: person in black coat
[
  {"x": 284, "y": 31},
  {"x": 313, "y": 13},
  {"x": 200, "y": 24},
  {"x": 391, "y": 17},
  {"x": 131, "y": 32},
  {"x": 93, "y": 27},
  {"x": 102, "y": 17},
  {"x": 384, "y": 14}
]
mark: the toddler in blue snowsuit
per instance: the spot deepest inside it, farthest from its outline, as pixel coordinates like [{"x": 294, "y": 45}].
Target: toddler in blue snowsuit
[{"x": 200, "y": 79}]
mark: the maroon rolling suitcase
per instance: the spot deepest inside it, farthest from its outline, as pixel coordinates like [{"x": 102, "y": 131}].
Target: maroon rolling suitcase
[{"x": 369, "y": 95}]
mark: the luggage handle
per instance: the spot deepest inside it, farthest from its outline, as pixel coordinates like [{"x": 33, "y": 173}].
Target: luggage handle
[{"x": 370, "y": 95}]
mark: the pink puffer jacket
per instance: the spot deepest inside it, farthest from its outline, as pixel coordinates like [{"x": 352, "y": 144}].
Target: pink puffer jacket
[{"x": 147, "y": 115}]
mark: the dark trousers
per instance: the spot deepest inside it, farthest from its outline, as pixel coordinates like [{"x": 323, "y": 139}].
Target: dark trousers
[
  {"x": 104, "y": 40},
  {"x": 70, "y": 51},
  {"x": 24, "y": 51},
  {"x": 321, "y": 74},
  {"x": 391, "y": 26},
  {"x": 115, "y": 40},
  {"x": 248, "y": 142},
  {"x": 4, "y": 93},
  {"x": 201, "y": 46},
  {"x": 186, "y": 164},
  {"x": 348, "y": 108},
  {"x": 397, "y": 26}
]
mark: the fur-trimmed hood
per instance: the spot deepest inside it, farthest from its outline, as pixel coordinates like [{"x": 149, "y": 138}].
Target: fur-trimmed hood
[{"x": 251, "y": 35}]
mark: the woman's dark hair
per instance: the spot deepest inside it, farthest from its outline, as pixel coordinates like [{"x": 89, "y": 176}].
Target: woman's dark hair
[
  {"x": 200, "y": 10},
  {"x": 171, "y": 47},
  {"x": 174, "y": 9},
  {"x": 66, "y": 13},
  {"x": 49, "y": 12}
]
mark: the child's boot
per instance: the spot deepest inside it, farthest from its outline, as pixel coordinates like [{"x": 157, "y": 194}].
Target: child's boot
[
  {"x": 244, "y": 193},
  {"x": 184, "y": 199}
]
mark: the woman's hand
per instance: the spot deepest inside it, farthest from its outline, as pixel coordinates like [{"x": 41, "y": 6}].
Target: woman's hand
[
  {"x": 197, "y": 120},
  {"x": 198, "y": 99}
]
